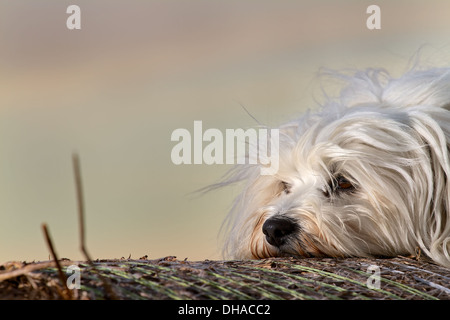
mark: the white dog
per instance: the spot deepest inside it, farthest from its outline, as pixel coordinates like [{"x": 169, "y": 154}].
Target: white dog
[{"x": 367, "y": 175}]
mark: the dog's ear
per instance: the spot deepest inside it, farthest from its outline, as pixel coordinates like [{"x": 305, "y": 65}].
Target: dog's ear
[{"x": 433, "y": 227}]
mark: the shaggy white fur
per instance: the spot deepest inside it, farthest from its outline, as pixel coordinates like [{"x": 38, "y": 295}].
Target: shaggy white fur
[{"x": 366, "y": 175}]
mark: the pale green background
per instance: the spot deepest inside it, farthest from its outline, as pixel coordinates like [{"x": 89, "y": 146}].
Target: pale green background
[{"x": 115, "y": 90}]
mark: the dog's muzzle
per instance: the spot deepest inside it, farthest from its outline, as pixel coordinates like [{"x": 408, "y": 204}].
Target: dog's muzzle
[{"x": 279, "y": 229}]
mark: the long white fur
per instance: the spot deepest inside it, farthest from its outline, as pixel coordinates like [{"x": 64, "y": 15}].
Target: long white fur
[{"x": 390, "y": 137}]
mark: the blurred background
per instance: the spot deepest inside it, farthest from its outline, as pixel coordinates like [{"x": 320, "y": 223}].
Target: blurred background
[{"x": 115, "y": 90}]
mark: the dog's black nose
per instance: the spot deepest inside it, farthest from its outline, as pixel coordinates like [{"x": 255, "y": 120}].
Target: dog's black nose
[{"x": 278, "y": 229}]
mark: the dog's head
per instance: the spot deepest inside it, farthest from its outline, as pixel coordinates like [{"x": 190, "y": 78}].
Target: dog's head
[{"x": 365, "y": 176}]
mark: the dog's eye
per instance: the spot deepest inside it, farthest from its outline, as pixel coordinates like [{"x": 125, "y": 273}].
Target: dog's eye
[
  {"x": 338, "y": 184},
  {"x": 343, "y": 184},
  {"x": 286, "y": 187}
]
